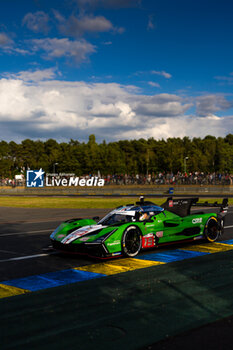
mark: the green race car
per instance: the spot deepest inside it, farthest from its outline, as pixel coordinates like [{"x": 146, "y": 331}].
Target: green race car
[{"x": 129, "y": 229}]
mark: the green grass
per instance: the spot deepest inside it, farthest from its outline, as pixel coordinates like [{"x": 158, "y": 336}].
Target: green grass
[
  {"x": 77, "y": 203},
  {"x": 60, "y": 202}
]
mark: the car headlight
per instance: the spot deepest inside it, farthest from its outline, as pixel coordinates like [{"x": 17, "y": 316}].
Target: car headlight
[{"x": 54, "y": 232}]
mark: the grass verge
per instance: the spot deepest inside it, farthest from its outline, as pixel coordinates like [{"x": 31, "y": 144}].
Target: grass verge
[
  {"x": 79, "y": 202},
  {"x": 71, "y": 203}
]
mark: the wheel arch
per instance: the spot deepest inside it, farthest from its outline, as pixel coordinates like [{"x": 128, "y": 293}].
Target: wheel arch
[{"x": 127, "y": 230}]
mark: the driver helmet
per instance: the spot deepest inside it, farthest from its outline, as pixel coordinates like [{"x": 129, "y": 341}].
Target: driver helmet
[{"x": 143, "y": 216}]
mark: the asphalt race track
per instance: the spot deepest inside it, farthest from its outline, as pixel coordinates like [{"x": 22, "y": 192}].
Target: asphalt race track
[{"x": 167, "y": 298}]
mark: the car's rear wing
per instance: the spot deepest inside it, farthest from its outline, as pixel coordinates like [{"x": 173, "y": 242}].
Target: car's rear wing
[
  {"x": 223, "y": 206},
  {"x": 182, "y": 206}
]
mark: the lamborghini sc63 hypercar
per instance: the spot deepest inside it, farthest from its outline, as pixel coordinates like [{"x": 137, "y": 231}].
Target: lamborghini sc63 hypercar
[{"x": 130, "y": 228}]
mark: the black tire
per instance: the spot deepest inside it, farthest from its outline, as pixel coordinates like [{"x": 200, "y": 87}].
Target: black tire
[
  {"x": 131, "y": 241},
  {"x": 212, "y": 230}
]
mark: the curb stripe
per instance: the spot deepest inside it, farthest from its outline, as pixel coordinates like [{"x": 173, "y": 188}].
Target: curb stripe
[
  {"x": 230, "y": 241},
  {"x": 52, "y": 279},
  {"x": 170, "y": 256},
  {"x": 118, "y": 266},
  {"x": 210, "y": 247},
  {"x": 83, "y": 273},
  {"x": 10, "y": 291}
]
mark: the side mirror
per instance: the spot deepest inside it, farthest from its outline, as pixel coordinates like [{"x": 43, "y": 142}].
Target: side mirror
[{"x": 96, "y": 218}]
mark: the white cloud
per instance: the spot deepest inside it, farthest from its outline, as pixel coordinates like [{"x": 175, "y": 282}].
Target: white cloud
[
  {"x": 79, "y": 50},
  {"x": 34, "y": 76},
  {"x": 225, "y": 79},
  {"x": 78, "y": 26},
  {"x": 107, "y": 43},
  {"x": 162, "y": 106},
  {"x": 37, "y": 22},
  {"x": 209, "y": 104},
  {"x": 162, "y": 73},
  {"x": 212, "y": 117},
  {"x": 7, "y": 45},
  {"x": 108, "y": 3},
  {"x": 87, "y": 24},
  {"x": 152, "y": 83},
  {"x": 181, "y": 126},
  {"x": 50, "y": 48},
  {"x": 150, "y": 25},
  {"x": 5, "y": 40},
  {"x": 64, "y": 110}
]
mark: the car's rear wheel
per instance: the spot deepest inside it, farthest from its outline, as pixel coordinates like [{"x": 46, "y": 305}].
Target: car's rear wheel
[
  {"x": 212, "y": 231},
  {"x": 131, "y": 241}
]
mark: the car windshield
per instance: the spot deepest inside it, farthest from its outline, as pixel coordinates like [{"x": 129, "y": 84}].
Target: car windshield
[
  {"x": 130, "y": 213},
  {"x": 116, "y": 219}
]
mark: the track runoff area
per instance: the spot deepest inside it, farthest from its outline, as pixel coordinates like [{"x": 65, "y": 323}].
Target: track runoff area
[{"x": 177, "y": 296}]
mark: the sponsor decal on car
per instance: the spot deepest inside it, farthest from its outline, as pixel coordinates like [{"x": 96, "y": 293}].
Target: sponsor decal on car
[
  {"x": 148, "y": 241},
  {"x": 114, "y": 243},
  {"x": 159, "y": 234},
  {"x": 61, "y": 236},
  {"x": 197, "y": 221},
  {"x": 84, "y": 239},
  {"x": 81, "y": 232},
  {"x": 124, "y": 208}
]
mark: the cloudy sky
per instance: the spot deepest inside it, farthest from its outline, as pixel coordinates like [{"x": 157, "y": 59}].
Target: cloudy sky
[{"x": 121, "y": 69}]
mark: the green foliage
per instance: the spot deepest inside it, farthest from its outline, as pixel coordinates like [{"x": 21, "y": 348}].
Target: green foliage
[{"x": 141, "y": 156}]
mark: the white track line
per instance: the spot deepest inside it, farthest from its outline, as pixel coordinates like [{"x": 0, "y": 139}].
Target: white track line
[
  {"x": 28, "y": 257},
  {"x": 24, "y": 233},
  {"x": 8, "y": 252}
]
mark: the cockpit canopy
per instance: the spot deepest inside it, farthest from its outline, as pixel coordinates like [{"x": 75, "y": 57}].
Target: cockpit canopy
[{"x": 132, "y": 213}]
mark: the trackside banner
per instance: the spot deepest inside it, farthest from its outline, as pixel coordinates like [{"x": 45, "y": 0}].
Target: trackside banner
[{"x": 38, "y": 178}]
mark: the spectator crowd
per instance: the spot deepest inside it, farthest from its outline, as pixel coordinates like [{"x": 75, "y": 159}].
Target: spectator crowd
[
  {"x": 161, "y": 178},
  {"x": 196, "y": 178}
]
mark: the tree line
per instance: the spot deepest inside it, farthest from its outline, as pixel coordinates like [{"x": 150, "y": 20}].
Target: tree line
[{"x": 209, "y": 154}]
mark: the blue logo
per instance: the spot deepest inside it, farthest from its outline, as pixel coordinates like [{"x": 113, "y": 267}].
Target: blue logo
[{"x": 35, "y": 178}]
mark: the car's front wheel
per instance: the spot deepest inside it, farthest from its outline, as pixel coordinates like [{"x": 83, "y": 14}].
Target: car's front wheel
[
  {"x": 131, "y": 241},
  {"x": 212, "y": 231}
]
